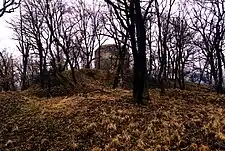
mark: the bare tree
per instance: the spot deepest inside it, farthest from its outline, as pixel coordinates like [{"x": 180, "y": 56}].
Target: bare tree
[
  {"x": 20, "y": 35},
  {"x": 7, "y": 71},
  {"x": 60, "y": 31},
  {"x": 182, "y": 38},
  {"x": 90, "y": 29},
  {"x": 133, "y": 18},
  {"x": 34, "y": 26},
  {"x": 162, "y": 41},
  {"x": 209, "y": 22},
  {"x": 121, "y": 39}
]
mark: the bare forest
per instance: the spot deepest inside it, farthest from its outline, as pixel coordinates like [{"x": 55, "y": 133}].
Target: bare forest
[{"x": 113, "y": 75}]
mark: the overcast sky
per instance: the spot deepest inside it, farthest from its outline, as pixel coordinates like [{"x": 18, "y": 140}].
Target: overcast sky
[{"x": 6, "y": 33}]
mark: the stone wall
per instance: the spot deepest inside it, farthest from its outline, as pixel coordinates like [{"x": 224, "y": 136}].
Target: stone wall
[{"x": 109, "y": 58}]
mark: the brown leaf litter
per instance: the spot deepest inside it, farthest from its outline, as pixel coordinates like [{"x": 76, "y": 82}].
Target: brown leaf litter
[{"x": 108, "y": 120}]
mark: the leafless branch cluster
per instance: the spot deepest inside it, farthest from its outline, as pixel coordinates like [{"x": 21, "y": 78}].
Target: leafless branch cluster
[
  {"x": 9, "y": 6},
  {"x": 170, "y": 41}
]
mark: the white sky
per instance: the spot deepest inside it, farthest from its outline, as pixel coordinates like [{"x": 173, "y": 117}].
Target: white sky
[{"x": 6, "y": 34}]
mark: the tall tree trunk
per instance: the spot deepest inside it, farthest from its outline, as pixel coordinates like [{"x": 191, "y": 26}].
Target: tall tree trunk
[
  {"x": 219, "y": 86},
  {"x": 182, "y": 76},
  {"x": 120, "y": 68},
  {"x": 41, "y": 57},
  {"x": 135, "y": 25},
  {"x": 24, "y": 74},
  {"x": 140, "y": 67}
]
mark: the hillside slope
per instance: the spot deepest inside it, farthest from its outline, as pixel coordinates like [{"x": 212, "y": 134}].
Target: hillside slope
[
  {"x": 107, "y": 120},
  {"x": 87, "y": 80}
]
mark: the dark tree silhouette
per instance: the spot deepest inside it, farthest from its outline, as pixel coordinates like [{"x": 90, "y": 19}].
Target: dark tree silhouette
[
  {"x": 133, "y": 19},
  {"x": 9, "y": 6}
]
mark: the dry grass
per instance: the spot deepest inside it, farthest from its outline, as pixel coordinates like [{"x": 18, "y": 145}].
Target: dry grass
[{"x": 107, "y": 120}]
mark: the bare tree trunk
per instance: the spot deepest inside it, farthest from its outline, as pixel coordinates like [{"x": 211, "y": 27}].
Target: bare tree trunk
[
  {"x": 219, "y": 86},
  {"x": 140, "y": 70},
  {"x": 120, "y": 68}
]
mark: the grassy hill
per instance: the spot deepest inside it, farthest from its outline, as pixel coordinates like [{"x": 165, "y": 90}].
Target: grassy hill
[
  {"x": 87, "y": 80},
  {"x": 100, "y": 118}
]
